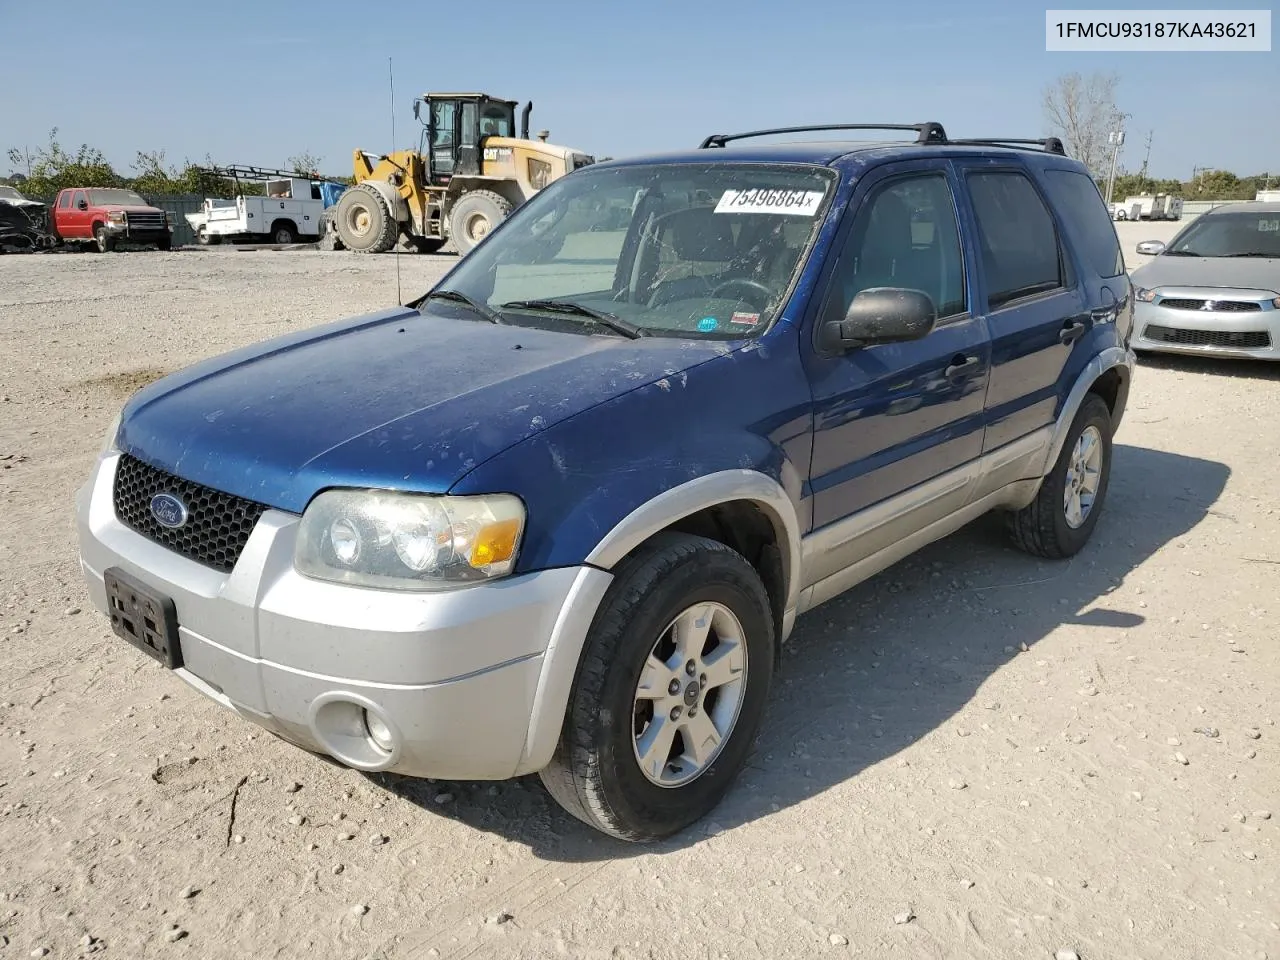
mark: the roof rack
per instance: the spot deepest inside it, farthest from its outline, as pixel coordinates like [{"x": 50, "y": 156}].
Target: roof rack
[
  {"x": 925, "y": 132},
  {"x": 1048, "y": 144},
  {"x": 245, "y": 172},
  {"x": 931, "y": 133}
]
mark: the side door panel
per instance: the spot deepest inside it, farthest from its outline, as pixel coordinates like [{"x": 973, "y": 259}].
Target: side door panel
[
  {"x": 892, "y": 417},
  {"x": 1034, "y": 328},
  {"x": 78, "y": 219}
]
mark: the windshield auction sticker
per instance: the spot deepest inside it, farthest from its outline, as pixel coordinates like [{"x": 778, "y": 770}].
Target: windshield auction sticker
[{"x": 796, "y": 203}]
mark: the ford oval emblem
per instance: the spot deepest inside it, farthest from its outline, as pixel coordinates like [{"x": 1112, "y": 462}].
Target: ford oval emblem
[{"x": 168, "y": 510}]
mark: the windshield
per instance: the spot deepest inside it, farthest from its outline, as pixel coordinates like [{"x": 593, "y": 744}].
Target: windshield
[
  {"x": 1230, "y": 235},
  {"x": 687, "y": 250},
  {"x": 8, "y": 193},
  {"x": 106, "y": 197}
]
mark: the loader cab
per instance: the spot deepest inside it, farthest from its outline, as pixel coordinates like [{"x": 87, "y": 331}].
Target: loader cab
[{"x": 456, "y": 125}]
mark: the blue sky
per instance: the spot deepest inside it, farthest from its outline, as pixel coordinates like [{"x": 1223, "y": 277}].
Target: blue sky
[{"x": 256, "y": 83}]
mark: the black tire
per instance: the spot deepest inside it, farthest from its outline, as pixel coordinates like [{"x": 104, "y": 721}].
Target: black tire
[
  {"x": 594, "y": 773},
  {"x": 363, "y": 222},
  {"x": 164, "y": 243},
  {"x": 207, "y": 239},
  {"x": 1041, "y": 528},
  {"x": 104, "y": 241},
  {"x": 283, "y": 231},
  {"x": 474, "y": 216}
]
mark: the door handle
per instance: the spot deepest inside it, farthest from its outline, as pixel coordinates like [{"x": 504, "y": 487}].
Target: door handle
[
  {"x": 1071, "y": 332},
  {"x": 961, "y": 365}
]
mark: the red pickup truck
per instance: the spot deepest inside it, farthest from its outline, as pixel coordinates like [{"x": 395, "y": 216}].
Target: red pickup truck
[{"x": 107, "y": 215}]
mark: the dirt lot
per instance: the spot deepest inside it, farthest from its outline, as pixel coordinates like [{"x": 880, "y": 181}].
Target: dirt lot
[{"x": 973, "y": 755}]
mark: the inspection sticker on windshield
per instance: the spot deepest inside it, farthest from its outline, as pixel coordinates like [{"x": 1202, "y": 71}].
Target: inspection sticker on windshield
[
  {"x": 796, "y": 203},
  {"x": 745, "y": 319}
]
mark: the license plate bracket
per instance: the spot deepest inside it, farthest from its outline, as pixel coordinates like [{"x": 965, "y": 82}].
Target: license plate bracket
[{"x": 142, "y": 617}]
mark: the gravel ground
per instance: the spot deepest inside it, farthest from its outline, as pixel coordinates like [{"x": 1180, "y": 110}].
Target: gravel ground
[{"x": 972, "y": 755}]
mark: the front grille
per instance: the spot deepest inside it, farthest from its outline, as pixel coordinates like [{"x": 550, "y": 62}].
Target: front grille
[
  {"x": 1219, "y": 306},
  {"x": 217, "y": 526},
  {"x": 1249, "y": 340},
  {"x": 146, "y": 221}
]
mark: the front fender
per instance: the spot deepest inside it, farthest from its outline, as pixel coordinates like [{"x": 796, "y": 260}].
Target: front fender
[{"x": 595, "y": 486}]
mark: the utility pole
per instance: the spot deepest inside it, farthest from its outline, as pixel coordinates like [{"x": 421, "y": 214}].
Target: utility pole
[
  {"x": 1116, "y": 139},
  {"x": 1147, "y": 159}
]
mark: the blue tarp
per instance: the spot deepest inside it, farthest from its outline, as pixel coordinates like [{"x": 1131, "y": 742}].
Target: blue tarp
[{"x": 329, "y": 192}]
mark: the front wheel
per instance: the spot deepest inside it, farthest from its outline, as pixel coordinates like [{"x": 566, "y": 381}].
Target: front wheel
[
  {"x": 670, "y": 691},
  {"x": 105, "y": 242},
  {"x": 1059, "y": 522}
]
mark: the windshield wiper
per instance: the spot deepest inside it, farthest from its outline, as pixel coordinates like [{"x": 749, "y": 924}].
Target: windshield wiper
[
  {"x": 615, "y": 323},
  {"x": 457, "y": 296},
  {"x": 1267, "y": 256},
  {"x": 1182, "y": 253}
]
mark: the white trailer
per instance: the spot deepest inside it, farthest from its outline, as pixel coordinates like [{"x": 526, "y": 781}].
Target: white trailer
[
  {"x": 290, "y": 211},
  {"x": 1159, "y": 206},
  {"x": 1267, "y": 196}
]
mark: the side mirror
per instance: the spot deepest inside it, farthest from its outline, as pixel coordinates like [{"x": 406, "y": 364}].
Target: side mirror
[
  {"x": 1151, "y": 248},
  {"x": 882, "y": 315},
  {"x": 417, "y": 107},
  {"x": 83, "y": 204}
]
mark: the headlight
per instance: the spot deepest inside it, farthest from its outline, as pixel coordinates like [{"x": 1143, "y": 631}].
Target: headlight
[
  {"x": 1143, "y": 294},
  {"x": 408, "y": 541},
  {"x": 116, "y": 216}
]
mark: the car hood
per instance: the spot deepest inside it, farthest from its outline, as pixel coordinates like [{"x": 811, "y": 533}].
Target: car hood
[
  {"x": 392, "y": 399},
  {"x": 24, "y": 203},
  {"x": 1242, "y": 273},
  {"x": 129, "y": 208}
]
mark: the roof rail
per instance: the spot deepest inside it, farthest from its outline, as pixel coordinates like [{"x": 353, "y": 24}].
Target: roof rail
[
  {"x": 1048, "y": 144},
  {"x": 925, "y": 132}
]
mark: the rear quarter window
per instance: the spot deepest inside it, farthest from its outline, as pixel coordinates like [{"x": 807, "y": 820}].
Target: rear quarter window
[{"x": 1080, "y": 205}]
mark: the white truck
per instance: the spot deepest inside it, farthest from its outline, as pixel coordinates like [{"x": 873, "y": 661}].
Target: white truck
[
  {"x": 1147, "y": 206},
  {"x": 289, "y": 211}
]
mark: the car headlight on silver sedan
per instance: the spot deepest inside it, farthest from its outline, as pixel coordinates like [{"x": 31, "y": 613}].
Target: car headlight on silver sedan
[
  {"x": 1143, "y": 294},
  {"x": 408, "y": 541}
]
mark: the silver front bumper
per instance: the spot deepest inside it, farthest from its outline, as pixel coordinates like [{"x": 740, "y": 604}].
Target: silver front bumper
[
  {"x": 1253, "y": 334},
  {"x": 472, "y": 682}
]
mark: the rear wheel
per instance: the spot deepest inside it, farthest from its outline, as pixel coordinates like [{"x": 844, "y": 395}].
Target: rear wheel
[
  {"x": 669, "y": 693},
  {"x": 1059, "y": 522},
  {"x": 474, "y": 217},
  {"x": 282, "y": 231},
  {"x": 363, "y": 222}
]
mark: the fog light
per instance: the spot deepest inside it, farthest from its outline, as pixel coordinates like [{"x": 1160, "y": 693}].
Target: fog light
[{"x": 379, "y": 732}]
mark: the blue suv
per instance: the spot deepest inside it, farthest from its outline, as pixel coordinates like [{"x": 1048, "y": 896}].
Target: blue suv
[{"x": 558, "y": 514}]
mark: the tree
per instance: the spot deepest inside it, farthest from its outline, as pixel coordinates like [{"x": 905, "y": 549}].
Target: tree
[
  {"x": 305, "y": 163},
  {"x": 1081, "y": 111},
  {"x": 53, "y": 168}
]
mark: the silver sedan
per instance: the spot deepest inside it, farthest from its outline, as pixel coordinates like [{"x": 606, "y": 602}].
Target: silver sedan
[{"x": 1215, "y": 289}]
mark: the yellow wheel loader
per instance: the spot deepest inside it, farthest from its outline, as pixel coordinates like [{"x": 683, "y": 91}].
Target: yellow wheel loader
[{"x": 469, "y": 172}]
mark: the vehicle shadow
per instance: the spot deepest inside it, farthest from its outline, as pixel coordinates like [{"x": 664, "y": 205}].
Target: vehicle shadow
[
  {"x": 1213, "y": 366},
  {"x": 873, "y": 671}
]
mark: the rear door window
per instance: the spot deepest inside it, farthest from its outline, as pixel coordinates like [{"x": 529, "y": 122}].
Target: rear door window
[
  {"x": 1080, "y": 204},
  {"x": 64, "y": 201},
  {"x": 1017, "y": 236}
]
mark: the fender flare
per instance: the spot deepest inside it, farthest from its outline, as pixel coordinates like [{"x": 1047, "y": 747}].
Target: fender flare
[
  {"x": 711, "y": 490},
  {"x": 1108, "y": 359}
]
